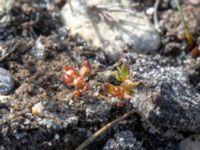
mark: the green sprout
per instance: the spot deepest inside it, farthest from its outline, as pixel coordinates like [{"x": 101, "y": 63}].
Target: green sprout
[
  {"x": 126, "y": 87},
  {"x": 122, "y": 72}
]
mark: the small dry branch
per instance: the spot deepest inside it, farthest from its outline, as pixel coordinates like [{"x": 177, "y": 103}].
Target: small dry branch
[{"x": 103, "y": 130}]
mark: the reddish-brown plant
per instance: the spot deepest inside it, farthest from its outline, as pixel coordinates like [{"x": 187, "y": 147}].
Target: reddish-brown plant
[
  {"x": 78, "y": 79},
  {"x": 86, "y": 69},
  {"x": 114, "y": 90}
]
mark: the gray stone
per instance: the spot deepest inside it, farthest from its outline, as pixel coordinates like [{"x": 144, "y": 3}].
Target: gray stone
[
  {"x": 111, "y": 25},
  {"x": 123, "y": 140},
  {"x": 190, "y": 143},
  {"x": 167, "y": 98},
  {"x": 6, "y": 82}
]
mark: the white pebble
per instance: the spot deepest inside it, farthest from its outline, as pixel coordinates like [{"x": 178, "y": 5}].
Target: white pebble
[
  {"x": 37, "y": 109},
  {"x": 150, "y": 11}
]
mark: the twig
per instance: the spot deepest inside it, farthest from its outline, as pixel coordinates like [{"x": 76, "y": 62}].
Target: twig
[
  {"x": 104, "y": 129},
  {"x": 155, "y": 16}
]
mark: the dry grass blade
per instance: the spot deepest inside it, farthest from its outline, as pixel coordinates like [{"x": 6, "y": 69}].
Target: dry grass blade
[
  {"x": 186, "y": 28},
  {"x": 155, "y": 17}
]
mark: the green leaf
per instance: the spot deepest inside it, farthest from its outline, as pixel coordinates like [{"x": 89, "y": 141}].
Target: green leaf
[{"x": 122, "y": 72}]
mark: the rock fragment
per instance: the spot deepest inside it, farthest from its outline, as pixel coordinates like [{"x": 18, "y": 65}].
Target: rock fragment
[
  {"x": 39, "y": 49},
  {"x": 6, "y": 82},
  {"x": 123, "y": 140},
  {"x": 111, "y": 25}
]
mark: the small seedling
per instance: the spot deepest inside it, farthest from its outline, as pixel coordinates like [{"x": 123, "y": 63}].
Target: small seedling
[
  {"x": 72, "y": 77},
  {"x": 126, "y": 87},
  {"x": 122, "y": 72}
]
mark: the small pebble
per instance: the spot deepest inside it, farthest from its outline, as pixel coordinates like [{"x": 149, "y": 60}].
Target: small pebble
[
  {"x": 37, "y": 109},
  {"x": 38, "y": 50},
  {"x": 150, "y": 11},
  {"x": 6, "y": 82}
]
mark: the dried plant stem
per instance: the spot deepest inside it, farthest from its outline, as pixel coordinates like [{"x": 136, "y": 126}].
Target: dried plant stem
[
  {"x": 104, "y": 129},
  {"x": 186, "y": 28}
]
